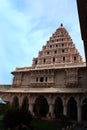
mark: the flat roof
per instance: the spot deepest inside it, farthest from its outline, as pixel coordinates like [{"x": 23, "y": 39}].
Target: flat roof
[
  {"x": 51, "y": 66},
  {"x": 45, "y": 90}
]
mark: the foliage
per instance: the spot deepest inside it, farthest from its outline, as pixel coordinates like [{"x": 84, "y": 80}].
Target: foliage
[
  {"x": 15, "y": 116},
  {"x": 20, "y": 119},
  {"x": 41, "y": 124},
  {"x": 64, "y": 120},
  {"x": 38, "y": 124}
]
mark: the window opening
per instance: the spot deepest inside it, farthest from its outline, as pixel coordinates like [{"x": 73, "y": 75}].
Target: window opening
[
  {"x": 74, "y": 58},
  {"x": 53, "y": 59},
  {"x": 48, "y": 52},
  {"x": 55, "y": 51},
  {"x": 62, "y": 44},
  {"x": 63, "y": 59},
  {"x": 63, "y": 51},
  {"x": 37, "y": 79},
  {"x": 50, "y": 46},
  {"x": 41, "y": 79},
  {"x": 56, "y": 45},
  {"x": 45, "y": 79},
  {"x": 44, "y": 60},
  {"x": 35, "y": 61}
]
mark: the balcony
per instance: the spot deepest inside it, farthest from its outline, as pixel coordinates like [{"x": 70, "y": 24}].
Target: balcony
[{"x": 41, "y": 84}]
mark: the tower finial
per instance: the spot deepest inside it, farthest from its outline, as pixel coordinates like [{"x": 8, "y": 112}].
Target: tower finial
[{"x": 61, "y": 25}]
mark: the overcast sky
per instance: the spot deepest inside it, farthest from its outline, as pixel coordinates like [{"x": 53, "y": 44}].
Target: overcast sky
[{"x": 26, "y": 25}]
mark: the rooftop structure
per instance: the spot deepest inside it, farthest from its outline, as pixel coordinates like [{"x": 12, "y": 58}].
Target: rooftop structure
[{"x": 59, "y": 52}]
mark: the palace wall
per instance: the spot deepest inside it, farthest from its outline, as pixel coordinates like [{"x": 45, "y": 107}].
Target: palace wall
[
  {"x": 83, "y": 78},
  {"x": 69, "y": 77},
  {"x": 60, "y": 78}
]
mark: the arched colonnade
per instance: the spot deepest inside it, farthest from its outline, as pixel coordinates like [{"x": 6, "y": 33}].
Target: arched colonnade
[{"x": 53, "y": 106}]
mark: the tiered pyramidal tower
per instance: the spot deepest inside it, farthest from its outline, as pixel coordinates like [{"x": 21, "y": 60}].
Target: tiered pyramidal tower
[
  {"x": 58, "y": 50},
  {"x": 56, "y": 65}
]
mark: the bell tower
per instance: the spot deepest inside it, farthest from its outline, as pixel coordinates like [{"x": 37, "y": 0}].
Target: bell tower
[{"x": 59, "y": 49}]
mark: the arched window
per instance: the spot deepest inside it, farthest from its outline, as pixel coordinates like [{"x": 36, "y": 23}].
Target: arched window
[
  {"x": 41, "y": 107},
  {"x": 72, "y": 109},
  {"x": 58, "y": 107},
  {"x": 84, "y": 109},
  {"x": 15, "y": 101},
  {"x": 25, "y": 103}
]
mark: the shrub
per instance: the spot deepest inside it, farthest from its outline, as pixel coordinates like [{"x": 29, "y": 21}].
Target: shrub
[
  {"x": 15, "y": 116},
  {"x": 64, "y": 120}
]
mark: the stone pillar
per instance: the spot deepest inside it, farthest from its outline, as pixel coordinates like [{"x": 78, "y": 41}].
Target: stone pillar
[
  {"x": 11, "y": 99},
  {"x": 65, "y": 103},
  {"x": 31, "y": 108},
  {"x": 51, "y": 108},
  {"x": 20, "y": 102},
  {"x": 64, "y": 109},
  {"x": 79, "y": 112}
]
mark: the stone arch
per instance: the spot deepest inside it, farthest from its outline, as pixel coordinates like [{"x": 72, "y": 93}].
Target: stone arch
[
  {"x": 15, "y": 101},
  {"x": 33, "y": 99},
  {"x": 55, "y": 97},
  {"x": 69, "y": 97},
  {"x": 58, "y": 107},
  {"x": 25, "y": 104},
  {"x": 41, "y": 106},
  {"x": 84, "y": 109},
  {"x": 72, "y": 108}
]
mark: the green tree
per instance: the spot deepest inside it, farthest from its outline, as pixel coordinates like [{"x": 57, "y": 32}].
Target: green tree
[
  {"x": 64, "y": 120},
  {"x": 15, "y": 117}
]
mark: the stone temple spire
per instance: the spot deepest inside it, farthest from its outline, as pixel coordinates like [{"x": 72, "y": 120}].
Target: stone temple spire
[{"x": 59, "y": 49}]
